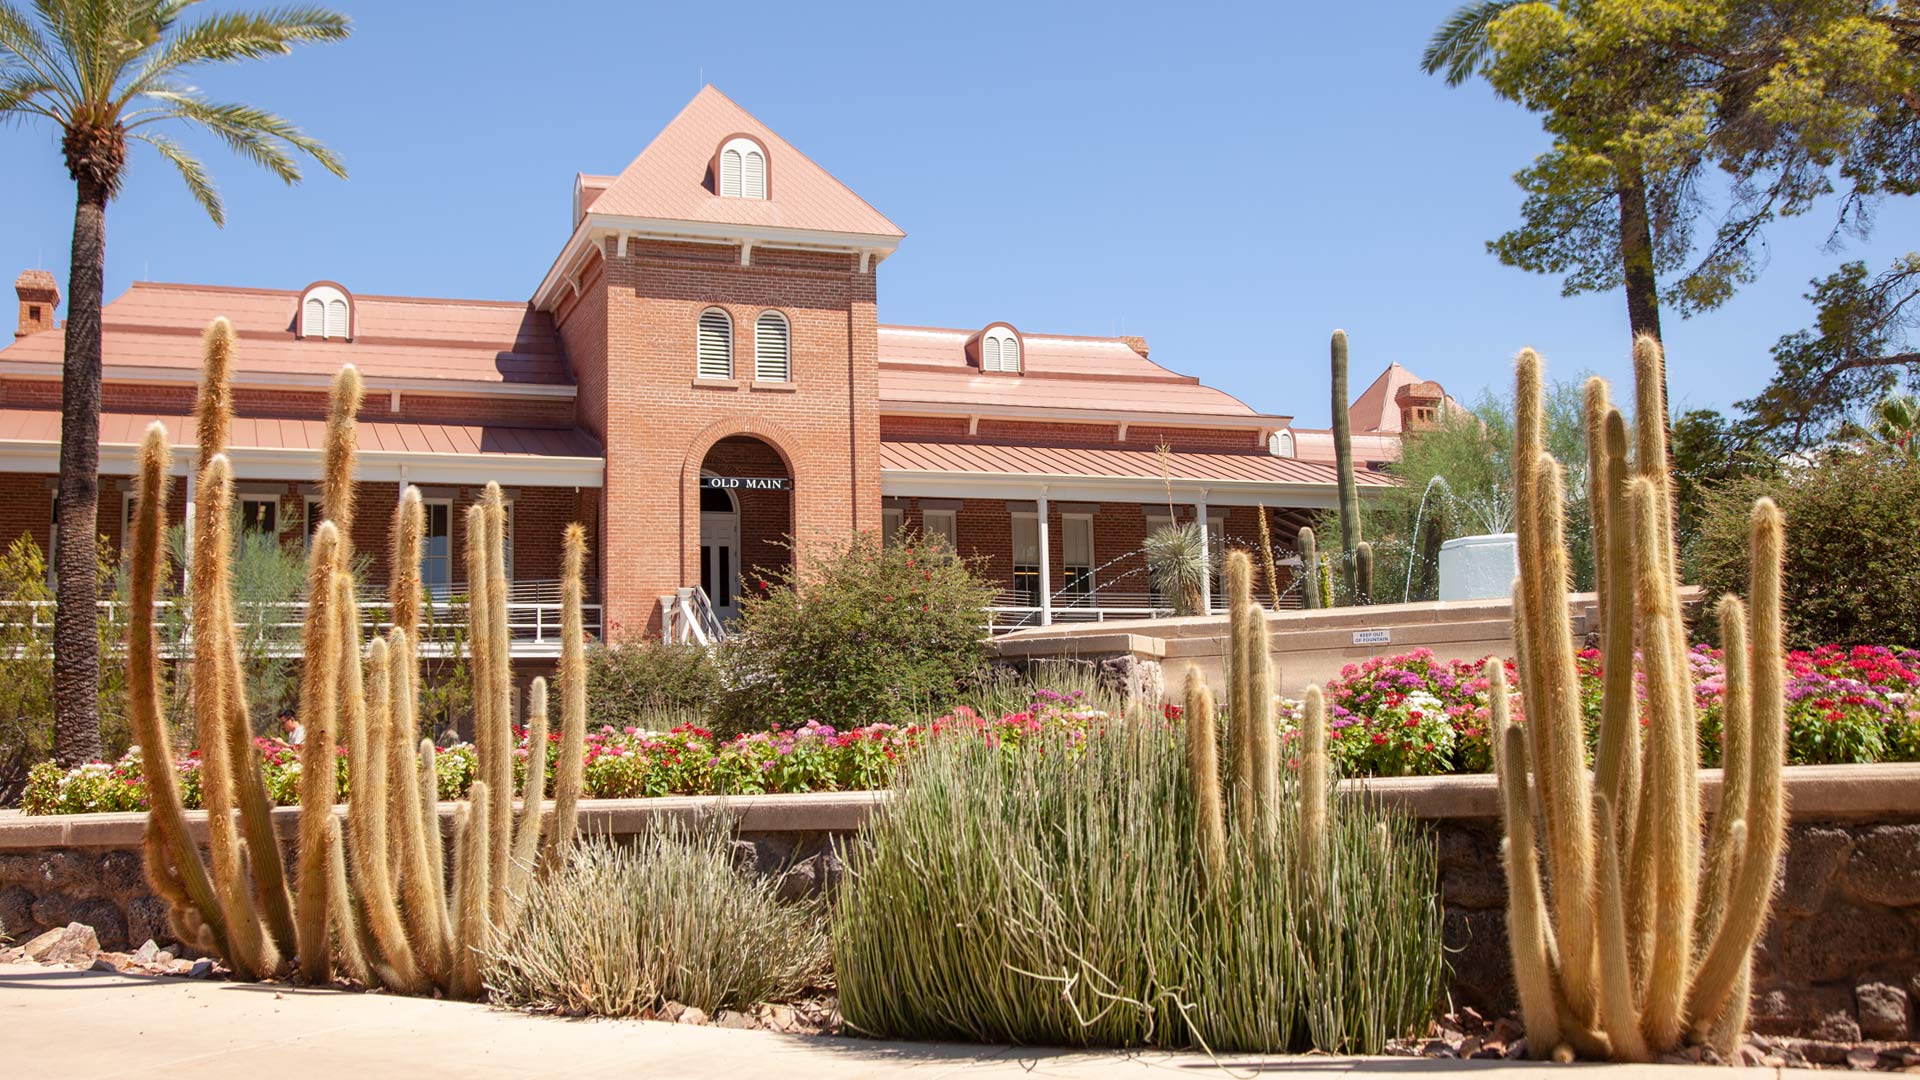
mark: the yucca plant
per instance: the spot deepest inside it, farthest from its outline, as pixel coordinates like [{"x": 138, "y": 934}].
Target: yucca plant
[
  {"x": 371, "y": 897},
  {"x": 1177, "y": 565},
  {"x": 1647, "y": 940}
]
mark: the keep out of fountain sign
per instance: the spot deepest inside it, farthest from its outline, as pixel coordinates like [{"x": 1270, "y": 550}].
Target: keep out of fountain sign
[{"x": 748, "y": 483}]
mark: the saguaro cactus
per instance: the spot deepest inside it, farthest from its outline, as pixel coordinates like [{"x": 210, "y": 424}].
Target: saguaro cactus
[
  {"x": 1343, "y": 461},
  {"x": 1644, "y": 946},
  {"x": 1309, "y": 569},
  {"x": 375, "y": 906},
  {"x": 1363, "y": 573}
]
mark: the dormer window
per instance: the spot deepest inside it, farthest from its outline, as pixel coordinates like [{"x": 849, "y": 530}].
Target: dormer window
[
  {"x": 326, "y": 311},
  {"x": 742, "y": 170},
  {"x": 1280, "y": 444},
  {"x": 1000, "y": 350}
]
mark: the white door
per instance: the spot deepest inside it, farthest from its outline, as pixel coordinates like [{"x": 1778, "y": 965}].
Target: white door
[{"x": 720, "y": 553}]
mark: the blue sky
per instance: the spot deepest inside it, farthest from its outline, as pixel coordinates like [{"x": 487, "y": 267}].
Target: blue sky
[{"x": 1231, "y": 182}]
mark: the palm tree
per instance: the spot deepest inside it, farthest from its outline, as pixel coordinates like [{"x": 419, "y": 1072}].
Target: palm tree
[
  {"x": 104, "y": 72},
  {"x": 1895, "y": 424}
]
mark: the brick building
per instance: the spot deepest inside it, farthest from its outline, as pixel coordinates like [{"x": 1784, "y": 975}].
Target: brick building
[{"x": 702, "y": 379}]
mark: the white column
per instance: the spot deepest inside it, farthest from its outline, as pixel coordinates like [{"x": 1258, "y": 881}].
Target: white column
[
  {"x": 1046, "y": 562},
  {"x": 1206, "y": 551}
]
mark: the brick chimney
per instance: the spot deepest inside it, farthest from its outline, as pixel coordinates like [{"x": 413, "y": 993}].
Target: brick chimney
[
  {"x": 1420, "y": 404},
  {"x": 1136, "y": 343},
  {"x": 39, "y": 295}
]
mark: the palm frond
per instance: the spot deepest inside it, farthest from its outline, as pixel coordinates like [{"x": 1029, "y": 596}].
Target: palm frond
[
  {"x": 241, "y": 35},
  {"x": 23, "y": 46},
  {"x": 254, "y": 134},
  {"x": 1459, "y": 46},
  {"x": 22, "y": 93},
  {"x": 192, "y": 173}
]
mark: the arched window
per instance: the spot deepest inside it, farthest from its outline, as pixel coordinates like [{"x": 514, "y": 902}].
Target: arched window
[
  {"x": 325, "y": 312},
  {"x": 1280, "y": 444},
  {"x": 999, "y": 350},
  {"x": 716, "y": 345},
  {"x": 772, "y": 349},
  {"x": 743, "y": 170}
]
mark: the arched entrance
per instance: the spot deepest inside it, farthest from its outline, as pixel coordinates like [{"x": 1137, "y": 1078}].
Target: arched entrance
[{"x": 746, "y": 520}]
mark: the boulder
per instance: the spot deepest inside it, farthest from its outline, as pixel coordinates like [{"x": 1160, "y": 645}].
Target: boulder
[
  {"x": 16, "y": 911},
  {"x": 1812, "y": 856},
  {"x": 1846, "y": 941},
  {"x": 69, "y": 944},
  {"x": 1883, "y": 1011},
  {"x": 1885, "y": 867}
]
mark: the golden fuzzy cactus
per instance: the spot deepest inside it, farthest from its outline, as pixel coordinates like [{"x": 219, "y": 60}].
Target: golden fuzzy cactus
[
  {"x": 573, "y": 694},
  {"x": 1203, "y": 764},
  {"x": 1644, "y": 945},
  {"x": 372, "y": 900}
]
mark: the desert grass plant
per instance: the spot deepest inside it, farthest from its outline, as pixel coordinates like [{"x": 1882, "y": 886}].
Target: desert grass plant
[
  {"x": 368, "y": 896},
  {"x": 1099, "y": 890},
  {"x": 623, "y": 929},
  {"x": 1632, "y": 941}
]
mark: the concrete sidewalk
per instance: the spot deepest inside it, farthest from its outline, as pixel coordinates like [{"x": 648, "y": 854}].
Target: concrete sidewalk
[{"x": 82, "y": 1025}]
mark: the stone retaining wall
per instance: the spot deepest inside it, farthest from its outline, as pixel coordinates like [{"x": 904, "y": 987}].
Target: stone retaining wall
[{"x": 1840, "y": 961}]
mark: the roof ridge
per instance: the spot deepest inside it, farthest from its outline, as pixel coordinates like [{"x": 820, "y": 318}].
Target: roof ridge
[
  {"x": 749, "y": 113},
  {"x": 262, "y": 290}
]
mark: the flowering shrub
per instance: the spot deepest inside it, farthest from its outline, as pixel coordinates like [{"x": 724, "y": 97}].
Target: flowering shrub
[
  {"x": 629, "y": 763},
  {"x": 1413, "y": 714}
]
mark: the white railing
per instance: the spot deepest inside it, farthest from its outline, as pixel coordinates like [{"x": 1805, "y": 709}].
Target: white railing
[
  {"x": 533, "y": 621},
  {"x": 687, "y": 618},
  {"x": 1013, "y": 611}
]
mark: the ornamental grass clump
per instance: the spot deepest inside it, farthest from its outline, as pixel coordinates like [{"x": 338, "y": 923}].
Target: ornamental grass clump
[
  {"x": 1139, "y": 883},
  {"x": 623, "y": 929},
  {"x": 1628, "y": 939}
]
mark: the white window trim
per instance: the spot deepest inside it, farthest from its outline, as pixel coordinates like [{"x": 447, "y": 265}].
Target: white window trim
[
  {"x": 743, "y": 150},
  {"x": 951, "y": 534},
  {"x": 1280, "y": 444},
  {"x": 784, "y": 373},
  {"x": 242, "y": 500},
  {"x": 994, "y": 351},
  {"x": 127, "y": 499},
  {"x": 892, "y": 518},
  {"x": 1066, "y": 568},
  {"x": 699, "y": 343},
  {"x": 332, "y": 302},
  {"x": 426, "y": 535}
]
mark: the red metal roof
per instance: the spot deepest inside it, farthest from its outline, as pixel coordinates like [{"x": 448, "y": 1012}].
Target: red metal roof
[
  {"x": 668, "y": 181},
  {"x": 1119, "y": 464},
  {"x": 158, "y": 325},
  {"x": 260, "y": 433},
  {"x": 929, "y": 365}
]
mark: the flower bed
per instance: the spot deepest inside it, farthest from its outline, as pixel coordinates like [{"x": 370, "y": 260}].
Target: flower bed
[
  {"x": 620, "y": 764},
  {"x": 1413, "y": 714}
]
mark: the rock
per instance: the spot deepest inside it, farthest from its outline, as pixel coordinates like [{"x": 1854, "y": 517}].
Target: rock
[
  {"x": 179, "y": 967},
  {"x": 691, "y": 1015},
  {"x": 121, "y": 874},
  {"x": 106, "y": 920},
  {"x": 163, "y": 957},
  {"x": 1812, "y": 856},
  {"x": 782, "y": 1018},
  {"x": 67, "y": 869},
  {"x": 16, "y": 911},
  {"x": 1844, "y": 941},
  {"x": 746, "y": 857},
  {"x": 732, "y": 1018},
  {"x": 1882, "y": 1010},
  {"x": 1821, "y": 1052},
  {"x": 1438, "y": 1048},
  {"x": 200, "y": 969},
  {"x": 53, "y": 909},
  {"x": 71, "y": 943},
  {"x": 110, "y": 961},
  {"x": 1885, "y": 867},
  {"x": 669, "y": 1012},
  {"x": 1836, "y": 1027},
  {"x": 147, "y": 918},
  {"x": 147, "y": 953},
  {"x": 1482, "y": 965},
  {"x": 1862, "y": 1057}
]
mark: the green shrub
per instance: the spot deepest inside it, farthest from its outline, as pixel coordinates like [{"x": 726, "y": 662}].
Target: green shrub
[
  {"x": 1853, "y": 548},
  {"x": 1056, "y": 897},
  {"x": 642, "y": 679},
  {"x": 622, "y": 930},
  {"x": 875, "y": 632}
]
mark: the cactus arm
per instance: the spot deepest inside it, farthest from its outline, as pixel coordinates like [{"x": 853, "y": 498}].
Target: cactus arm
[
  {"x": 436, "y": 927},
  {"x": 373, "y": 835},
  {"x": 1309, "y": 569},
  {"x": 473, "y": 928},
  {"x": 319, "y": 682},
  {"x": 337, "y": 464},
  {"x": 346, "y": 929},
  {"x": 1617, "y": 765},
  {"x": 1736, "y": 777},
  {"x": 526, "y": 842},
  {"x": 1313, "y": 784},
  {"x": 1593, "y": 415},
  {"x": 573, "y": 697},
  {"x": 1526, "y": 908},
  {"x": 1266, "y": 558},
  {"x": 1203, "y": 769},
  {"x": 1751, "y": 898},
  {"x": 1618, "y": 1016},
  {"x": 500, "y": 770},
  {"x": 1240, "y": 652},
  {"x": 1343, "y": 458},
  {"x": 1266, "y": 752},
  {"x": 166, "y": 819},
  {"x": 1363, "y": 573}
]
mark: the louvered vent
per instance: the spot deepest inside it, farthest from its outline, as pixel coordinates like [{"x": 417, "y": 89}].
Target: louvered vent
[
  {"x": 990, "y": 354},
  {"x": 730, "y": 173},
  {"x": 314, "y": 324},
  {"x": 772, "y": 356},
  {"x": 337, "y": 318},
  {"x": 1010, "y": 353},
  {"x": 754, "y": 182},
  {"x": 716, "y": 345}
]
